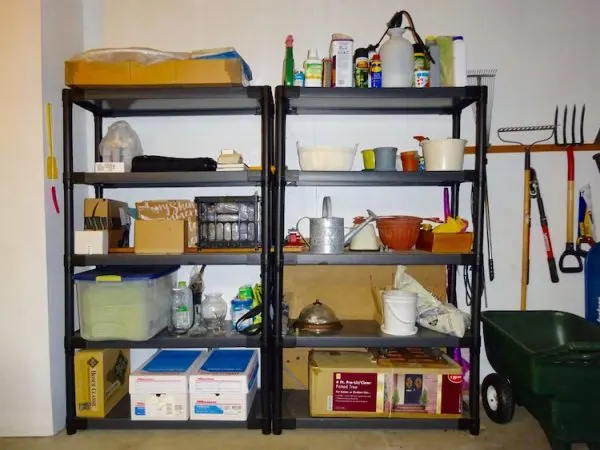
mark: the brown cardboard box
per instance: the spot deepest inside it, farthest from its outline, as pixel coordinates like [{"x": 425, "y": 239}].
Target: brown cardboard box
[
  {"x": 160, "y": 237},
  {"x": 101, "y": 380},
  {"x": 412, "y": 384},
  {"x": 187, "y": 72},
  {"x": 172, "y": 210},
  {"x": 111, "y": 215}
]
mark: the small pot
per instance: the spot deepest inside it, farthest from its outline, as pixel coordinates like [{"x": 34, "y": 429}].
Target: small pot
[{"x": 317, "y": 318}]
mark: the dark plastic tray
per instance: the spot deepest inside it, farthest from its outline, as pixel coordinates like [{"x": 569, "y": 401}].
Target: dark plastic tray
[{"x": 546, "y": 352}]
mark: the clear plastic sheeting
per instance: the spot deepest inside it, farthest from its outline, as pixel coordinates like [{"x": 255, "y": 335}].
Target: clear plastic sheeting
[
  {"x": 121, "y": 144},
  {"x": 141, "y": 55}
]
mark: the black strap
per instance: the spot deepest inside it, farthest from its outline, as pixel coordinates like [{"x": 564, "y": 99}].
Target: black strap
[{"x": 254, "y": 328}]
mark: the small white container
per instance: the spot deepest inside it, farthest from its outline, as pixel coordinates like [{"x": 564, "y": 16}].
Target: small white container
[
  {"x": 313, "y": 69},
  {"x": 159, "y": 389},
  {"x": 326, "y": 157},
  {"x": 399, "y": 313},
  {"x": 459, "y": 52},
  {"x": 223, "y": 386},
  {"x": 444, "y": 154},
  {"x": 129, "y": 304},
  {"x": 341, "y": 52}
]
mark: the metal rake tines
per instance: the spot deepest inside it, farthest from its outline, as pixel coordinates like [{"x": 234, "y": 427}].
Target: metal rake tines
[
  {"x": 550, "y": 128},
  {"x": 565, "y": 122}
]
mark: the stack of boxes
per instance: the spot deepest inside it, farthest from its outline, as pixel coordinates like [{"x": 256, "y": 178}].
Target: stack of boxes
[{"x": 177, "y": 384}]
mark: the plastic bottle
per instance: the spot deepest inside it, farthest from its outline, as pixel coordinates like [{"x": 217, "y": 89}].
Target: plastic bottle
[
  {"x": 182, "y": 309},
  {"x": 375, "y": 73},
  {"x": 459, "y": 51},
  {"x": 397, "y": 62},
  {"x": 361, "y": 68},
  {"x": 434, "y": 68},
  {"x": 239, "y": 307},
  {"x": 313, "y": 69},
  {"x": 288, "y": 62}
]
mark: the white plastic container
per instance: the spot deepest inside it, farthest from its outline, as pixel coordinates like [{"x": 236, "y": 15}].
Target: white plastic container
[
  {"x": 326, "y": 157},
  {"x": 313, "y": 69},
  {"x": 459, "y": 52},
  {"x": 129, "y": 304},
  {"x": 223, "y": 386},
  {"x": 399, "y": 313},
  {"x": 397, "y": 60},
  {"x": 444, "y": 154},
  {"x": 159, "y": 388}
]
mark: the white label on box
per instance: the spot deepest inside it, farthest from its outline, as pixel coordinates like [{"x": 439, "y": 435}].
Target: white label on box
[
  {"x": 110, "y": 167},
  {"x": 212, "y": 386},
  {"x": 223, "y": 407}
]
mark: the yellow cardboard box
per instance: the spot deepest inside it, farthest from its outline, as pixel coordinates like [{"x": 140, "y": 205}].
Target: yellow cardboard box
[
  {"x": 186, "y": 72},
  {"x": 160, "y": 237},
  {"x": 101, "y": 380}
]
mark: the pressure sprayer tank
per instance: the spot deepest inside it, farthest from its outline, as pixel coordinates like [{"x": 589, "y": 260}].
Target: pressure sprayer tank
[{"x": 397, "y": 60}]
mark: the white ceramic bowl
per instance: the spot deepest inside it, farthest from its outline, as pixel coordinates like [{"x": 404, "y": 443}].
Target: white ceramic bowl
[{"x": 326, "y": 157}]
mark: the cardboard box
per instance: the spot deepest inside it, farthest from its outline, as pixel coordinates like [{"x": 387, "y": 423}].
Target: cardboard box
[
  {"x": 413, "y": 385},
  {"x": 101, "y": 380},
  {"x": 160, "y": 237},
  {"x": 112, "y": 215},
  {"x": 159, "y": 388},
  {"x": 223, "y": 386},
  {"x": 90, "y": 242},
  {"x": 172, "y": 210},
  {"x": 187, "y": 72}
]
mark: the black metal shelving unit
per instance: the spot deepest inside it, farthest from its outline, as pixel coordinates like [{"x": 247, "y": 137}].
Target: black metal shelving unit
[
  {"x": 146, "y": 102},
  {"x": 290, "y": 408}
]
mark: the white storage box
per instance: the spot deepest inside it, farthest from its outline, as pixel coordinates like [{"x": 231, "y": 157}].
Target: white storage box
[
  {"x": 124, "y": 303},
  {"x": 223, "y": 386},
  {"x": 159, "y": 389}
]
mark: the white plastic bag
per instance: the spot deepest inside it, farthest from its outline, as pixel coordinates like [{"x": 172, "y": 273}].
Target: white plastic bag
[
  {"x": 432, "y": 313},
  {"x": 120, "y": 144}
]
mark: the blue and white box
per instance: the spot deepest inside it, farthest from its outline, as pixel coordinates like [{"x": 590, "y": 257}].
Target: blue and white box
[
  {"x": 159, "y": 388},
  {"x": 223, "y": 386}
]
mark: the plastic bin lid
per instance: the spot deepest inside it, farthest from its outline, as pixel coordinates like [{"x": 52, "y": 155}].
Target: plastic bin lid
[
  {"x": 172, "y": 361},
  {"x": 228, "y": 361},
  {"x": 126, "y": 273}
]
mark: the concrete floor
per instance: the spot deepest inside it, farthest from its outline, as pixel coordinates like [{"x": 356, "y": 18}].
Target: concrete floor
[{"x": 522, "y": 433}]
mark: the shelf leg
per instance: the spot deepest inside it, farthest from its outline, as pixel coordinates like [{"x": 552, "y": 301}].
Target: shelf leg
[
  {"x": 480, "y": 187},
  {"x": 98, "y": 190}
]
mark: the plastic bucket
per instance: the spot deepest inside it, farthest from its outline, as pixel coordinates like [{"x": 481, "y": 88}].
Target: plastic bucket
[
  {"x": 399, "y": 313},
  {"x": 444, "y": 154}
]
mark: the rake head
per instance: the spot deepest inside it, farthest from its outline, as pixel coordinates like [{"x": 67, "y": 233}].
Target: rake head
[{"x": 565, "y": 121}]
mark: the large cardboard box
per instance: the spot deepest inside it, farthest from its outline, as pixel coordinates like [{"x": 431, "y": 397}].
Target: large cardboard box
[
  {"x": 172, "y": 210},
  {"x": 101, "y": 380},
  {"x": 410, "y": 384},
  {"x": 112, "y": 215},
  {"x": 223, "y": 386},
  {"x": 187, "y": 72}
]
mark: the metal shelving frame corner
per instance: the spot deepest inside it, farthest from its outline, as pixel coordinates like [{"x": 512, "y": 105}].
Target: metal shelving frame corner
[
  {"x": 446, "y": 101},
  {"x": 146, "y": 102}
]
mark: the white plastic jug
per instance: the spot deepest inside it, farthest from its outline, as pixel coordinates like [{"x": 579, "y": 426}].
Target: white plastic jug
[
  {"x": 397, "y": 60},
  {"x": 399, "y": 313}
]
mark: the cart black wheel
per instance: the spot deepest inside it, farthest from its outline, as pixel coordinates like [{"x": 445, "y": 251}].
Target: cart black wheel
[{"x": 497, "y": 398}]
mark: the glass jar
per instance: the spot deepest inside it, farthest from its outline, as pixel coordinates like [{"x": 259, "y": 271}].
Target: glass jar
[{"x": 214, "y": 312}]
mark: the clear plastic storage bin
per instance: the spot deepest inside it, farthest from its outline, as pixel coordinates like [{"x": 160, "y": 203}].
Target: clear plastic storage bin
[{"x": 129, "y": 303}]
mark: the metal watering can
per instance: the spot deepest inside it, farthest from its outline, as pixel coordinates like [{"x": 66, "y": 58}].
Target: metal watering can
[{"x": 327, "y": 232}]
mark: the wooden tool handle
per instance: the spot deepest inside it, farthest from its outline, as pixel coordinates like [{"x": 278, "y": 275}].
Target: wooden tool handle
[
  {"x": 525, "y": 249},
  {"x": 570, "y": 193}
]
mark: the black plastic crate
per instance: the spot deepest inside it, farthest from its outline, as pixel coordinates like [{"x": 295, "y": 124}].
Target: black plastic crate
[{"x": 228, "y": 222}]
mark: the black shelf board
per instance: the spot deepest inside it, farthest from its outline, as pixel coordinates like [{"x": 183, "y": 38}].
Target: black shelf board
[
  {"x": 296, "y": 415},
  {"x": 168, "y": 101},
  {"x": 411, "y": 257},
  {"x": 367, "y": 333},
  {"x": 120, "y": 419},
  {"x": 251, "y": 258},
  {"x": 165, "y": 340},
  {"x": 372, "y": 178},
  {"x": 446, "y": 100},
  {"x": 168, "y": 179}
]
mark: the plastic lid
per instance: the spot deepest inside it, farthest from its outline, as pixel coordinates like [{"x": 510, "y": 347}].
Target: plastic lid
[
  {"x": 431, "y": 38},
  {"x": 127, "y": 273},
  {"x": 172, "y": 361},
  {"x": 289, "y": 40},
  {"x": 457, "y": 38},
  {"x": 361, "y": 53},
  {"x": 313, "y": 53},
  {"x": 181, "y": 284},
  {"x": 376, "y": 57},
  {"x": 233, "y": 361}
]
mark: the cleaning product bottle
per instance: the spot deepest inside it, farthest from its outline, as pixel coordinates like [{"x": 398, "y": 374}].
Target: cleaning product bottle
[
  {"x": 434, "y": 68},
  {"x": 460, "y": 61},
  {"x": 313, "y": 69},
  {"x": 397, "y": 62},
  {"x": 288, "y": 62},
  {"x": 375, "y": 73}
]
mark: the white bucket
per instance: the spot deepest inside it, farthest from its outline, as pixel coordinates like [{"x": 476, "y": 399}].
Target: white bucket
[
  {"x": 399, "y": 313},
  {"x": 444, "y": 154}
]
